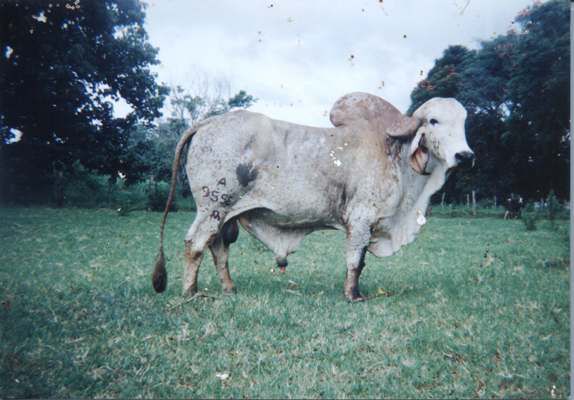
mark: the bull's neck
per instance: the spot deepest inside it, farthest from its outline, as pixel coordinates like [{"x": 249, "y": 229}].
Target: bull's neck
[
  {"x": 416, "y": 191},
  {"x": 417, "y": 188}
]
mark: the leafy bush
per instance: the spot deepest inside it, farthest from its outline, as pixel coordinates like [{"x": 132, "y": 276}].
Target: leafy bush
[
  {"x": 131, "y": 198},
  {"x": 84, "y": 188},
  {"x": 553, "y": 207},
  {"x": 81, "y": 187},
  {"x": 530, "y": 217},
  {"x": 461, "y": 211},
  {"x": 124, "y": 211},
  {"x": 185, "y": 203},
  {"x": 157, "y": 197},
  {"x": 485, "y": 203}
]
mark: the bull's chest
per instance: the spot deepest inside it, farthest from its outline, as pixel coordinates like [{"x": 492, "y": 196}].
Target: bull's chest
[{"x": 386, "y": 198}]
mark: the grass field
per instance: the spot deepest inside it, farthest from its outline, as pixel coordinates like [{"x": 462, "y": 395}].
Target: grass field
[{"x": 474, "y": 308}]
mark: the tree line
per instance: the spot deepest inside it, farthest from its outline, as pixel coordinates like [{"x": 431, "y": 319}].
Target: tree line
[{"x": 64, "y": 64}]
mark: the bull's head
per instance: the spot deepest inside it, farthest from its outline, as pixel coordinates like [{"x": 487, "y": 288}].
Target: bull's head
[{"x": 438, "y": 128}]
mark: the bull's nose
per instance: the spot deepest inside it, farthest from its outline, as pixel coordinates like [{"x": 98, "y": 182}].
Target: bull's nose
[{"x": 464, "y": 157}]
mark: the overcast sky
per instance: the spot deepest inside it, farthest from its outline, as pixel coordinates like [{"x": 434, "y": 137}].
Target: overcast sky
[{"x": 297, "y": 57}]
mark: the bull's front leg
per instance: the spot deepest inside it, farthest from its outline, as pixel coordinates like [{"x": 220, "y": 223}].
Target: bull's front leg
[{"x": 358, "y": 237}]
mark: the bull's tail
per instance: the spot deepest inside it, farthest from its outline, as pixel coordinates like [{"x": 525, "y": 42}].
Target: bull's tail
[{"x": 159, "y": 277}]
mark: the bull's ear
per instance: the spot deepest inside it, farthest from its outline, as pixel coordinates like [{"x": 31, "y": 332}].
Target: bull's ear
[
  {"x": 419, "y": 154},
  {"x": 404, "y": 126}
]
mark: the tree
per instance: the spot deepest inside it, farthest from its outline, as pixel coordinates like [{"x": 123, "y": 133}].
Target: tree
[
  {"x": 444, "y": 79},
  {"x": 515, "y": 89},
  {"x": 241, "y": 100},
  {"x": 539, "y": 89},
  {"x": 484, "y": 94},
  {"x": 62, "y": 66},
  {"x": 190, "y": 108}
]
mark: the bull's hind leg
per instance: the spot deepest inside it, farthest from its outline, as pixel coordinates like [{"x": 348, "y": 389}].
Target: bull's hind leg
[
  {"x": 202, "y": 232},
  {"x": 220, "y": 252}
]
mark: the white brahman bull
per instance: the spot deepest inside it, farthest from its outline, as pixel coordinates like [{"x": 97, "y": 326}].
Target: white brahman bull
[{"x": 371, "y": 176}]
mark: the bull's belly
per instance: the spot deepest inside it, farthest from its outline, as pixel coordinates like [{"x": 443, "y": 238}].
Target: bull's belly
[
  {"x": 297, "y": 220},
  {"x": 282, "y": 234}
]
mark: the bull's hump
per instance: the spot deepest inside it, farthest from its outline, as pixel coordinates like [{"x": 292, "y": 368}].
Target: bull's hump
[{"x": 356, "y": 107}]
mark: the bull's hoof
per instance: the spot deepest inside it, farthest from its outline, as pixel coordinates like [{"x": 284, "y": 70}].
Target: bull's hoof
[
  {"x": 356, "y": 299},
  {"x": 353, "y": 296},
  {"x": 229, "y": 291},
  {"x": 352, "y": 293},
  {"x": 190, "y": 291}
]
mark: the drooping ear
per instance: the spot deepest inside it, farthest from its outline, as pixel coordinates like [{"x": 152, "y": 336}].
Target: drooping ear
[
  {"x": 404, "y": 126},
  {"x": 419, "y": 154}
]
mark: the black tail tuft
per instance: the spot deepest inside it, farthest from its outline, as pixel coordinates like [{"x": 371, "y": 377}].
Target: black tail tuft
[{"x": 159, "y": 278}]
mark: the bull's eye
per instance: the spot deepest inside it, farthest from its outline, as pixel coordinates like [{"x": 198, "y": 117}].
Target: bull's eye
[{"x": 433, "y": 121}]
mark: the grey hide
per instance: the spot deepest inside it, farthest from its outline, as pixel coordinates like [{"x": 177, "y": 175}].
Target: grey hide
[{"x": 371, "y": 176}]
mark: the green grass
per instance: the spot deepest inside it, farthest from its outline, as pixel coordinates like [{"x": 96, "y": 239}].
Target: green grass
[{"x": 474, "y": 307}]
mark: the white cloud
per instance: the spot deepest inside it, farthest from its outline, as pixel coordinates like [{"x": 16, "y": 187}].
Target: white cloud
[{"x": 295, "y": 56}]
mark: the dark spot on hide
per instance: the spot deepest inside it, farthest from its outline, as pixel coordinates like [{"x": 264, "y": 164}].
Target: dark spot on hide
[
  {"x": 230, "y": 232},
  {"x": 245, "y": 174}
]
